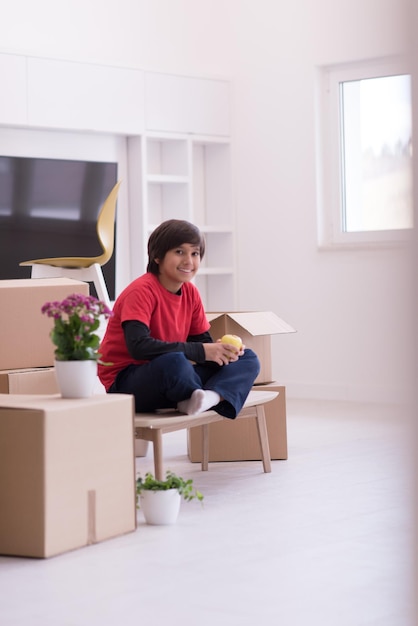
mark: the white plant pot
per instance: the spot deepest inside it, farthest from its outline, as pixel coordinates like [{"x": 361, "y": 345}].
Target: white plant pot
[
  {"x": 76, "y": 379},
  {"x": 160, "y": 507}
]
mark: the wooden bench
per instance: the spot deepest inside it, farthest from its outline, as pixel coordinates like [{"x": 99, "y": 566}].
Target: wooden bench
[{"x": 152, "y": 426}]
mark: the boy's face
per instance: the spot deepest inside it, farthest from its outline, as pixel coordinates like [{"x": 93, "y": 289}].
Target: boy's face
[{"x": 178, "y": 266}]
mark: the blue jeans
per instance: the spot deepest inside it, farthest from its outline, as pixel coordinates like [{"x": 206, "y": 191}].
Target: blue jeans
[{"x": 170, "y": 378}]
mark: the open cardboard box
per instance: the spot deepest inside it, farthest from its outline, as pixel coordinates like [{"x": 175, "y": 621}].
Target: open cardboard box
[
  {"x": 255, "y": 329},
  {"x": 67, "y": 472},
  {"x": 24, "y": 330}
]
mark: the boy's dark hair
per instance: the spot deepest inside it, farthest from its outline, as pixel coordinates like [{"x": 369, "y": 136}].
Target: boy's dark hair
[{"x": 169, "y": 235}]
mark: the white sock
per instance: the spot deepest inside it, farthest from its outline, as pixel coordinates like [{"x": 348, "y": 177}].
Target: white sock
[{"x": 201, "y": 400}]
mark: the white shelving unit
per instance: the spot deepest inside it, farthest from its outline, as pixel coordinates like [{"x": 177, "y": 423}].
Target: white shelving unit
[{"x": 189, "y": 177}]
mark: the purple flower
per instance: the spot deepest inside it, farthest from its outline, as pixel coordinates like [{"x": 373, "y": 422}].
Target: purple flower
[{"x": 75, "y": 317}]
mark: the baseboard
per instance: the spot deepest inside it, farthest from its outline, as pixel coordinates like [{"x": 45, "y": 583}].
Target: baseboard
[{"x": 348, "y": 393}]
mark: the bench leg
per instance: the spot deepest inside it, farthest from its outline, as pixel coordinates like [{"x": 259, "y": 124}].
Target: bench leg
[
  {"x": 205, "y": 447},
  {"x": 263, "y": 438},
  {"x": 157, "y": 441}
]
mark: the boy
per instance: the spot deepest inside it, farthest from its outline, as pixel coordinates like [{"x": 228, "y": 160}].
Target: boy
[{"x": 158, "y": 340}]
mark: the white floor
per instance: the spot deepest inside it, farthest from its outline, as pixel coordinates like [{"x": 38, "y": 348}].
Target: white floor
[{"x": 325, "y": 539}]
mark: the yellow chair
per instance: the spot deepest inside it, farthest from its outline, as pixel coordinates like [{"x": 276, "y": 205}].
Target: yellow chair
[{"x": 88, "y": 269}]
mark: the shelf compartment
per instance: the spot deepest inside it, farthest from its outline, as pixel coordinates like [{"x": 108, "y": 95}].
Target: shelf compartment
[
  {"x": 168, "y": 201},
  {"x": 217, "y": 292},
  {"x": 167, "y": 157},
  {"x": 211, "y": 174},
  {"x": 219, "y": 251}
]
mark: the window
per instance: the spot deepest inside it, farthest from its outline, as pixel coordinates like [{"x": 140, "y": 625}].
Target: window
[{"x": 365, "y": 156}]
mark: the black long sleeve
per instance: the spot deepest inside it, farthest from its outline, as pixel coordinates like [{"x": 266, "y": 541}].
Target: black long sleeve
[{"x": 142, "y": 346}]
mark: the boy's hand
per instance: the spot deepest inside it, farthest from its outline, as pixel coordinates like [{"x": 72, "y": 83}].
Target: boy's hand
[{"x": 222, "y": 353}]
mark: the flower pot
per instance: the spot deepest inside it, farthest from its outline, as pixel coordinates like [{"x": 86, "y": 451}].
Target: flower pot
[
  {"x": 76, "y": 379},
  {"x": 160, "y": 507}
]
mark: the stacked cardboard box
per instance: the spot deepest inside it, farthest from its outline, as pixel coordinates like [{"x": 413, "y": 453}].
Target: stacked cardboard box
[
  {"x": 29, "y": 380},
  {"x": 56, "y": 496},
  {"x": 237, "y": 440},
  {"x": 25, "y": 340},
  {"x": 67, "y": 468}
]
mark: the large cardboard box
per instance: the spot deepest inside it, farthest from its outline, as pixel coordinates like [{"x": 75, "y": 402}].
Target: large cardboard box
[
  {"x": 67, "y": 472},
  {"x": 237, "y": 440},
  {"x": 255, "y": 329},
  {"x": 37, "y": 380},
  {"x": 24, "y": 330}
]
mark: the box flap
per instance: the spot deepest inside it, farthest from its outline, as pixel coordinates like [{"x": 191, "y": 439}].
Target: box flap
[{"x": 257, "y": 322}]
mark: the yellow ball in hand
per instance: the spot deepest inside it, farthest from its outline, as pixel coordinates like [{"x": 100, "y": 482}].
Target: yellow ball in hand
[{"x": 232, "y": 340}]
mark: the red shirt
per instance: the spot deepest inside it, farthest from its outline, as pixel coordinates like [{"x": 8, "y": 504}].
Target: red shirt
[{"x": 169, "y": 316}]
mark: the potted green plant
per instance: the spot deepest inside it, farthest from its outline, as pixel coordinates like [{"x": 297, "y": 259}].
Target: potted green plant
[
  {"x": 75, "y": 321},
  {"x": 160, "y": 499}
]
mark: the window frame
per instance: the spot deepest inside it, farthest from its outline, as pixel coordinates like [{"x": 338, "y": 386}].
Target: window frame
[{"x": 329, "y": 155}]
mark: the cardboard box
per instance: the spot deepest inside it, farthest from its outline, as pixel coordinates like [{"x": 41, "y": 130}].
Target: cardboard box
[
  {"x": 57, "y": 496},
  {"x": 141, "y": 447},
  {"x": 24, "y": 331},
  {"x": 38, "y": 380},
  {"x": 255, "y": 329},
  {"x": 237, "y": 440}
]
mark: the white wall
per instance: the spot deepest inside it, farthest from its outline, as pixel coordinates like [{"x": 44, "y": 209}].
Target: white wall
[{"x": 352, "y": 309}]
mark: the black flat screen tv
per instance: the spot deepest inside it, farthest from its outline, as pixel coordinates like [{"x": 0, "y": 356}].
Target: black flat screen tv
[{"x": 49, "y": 208}]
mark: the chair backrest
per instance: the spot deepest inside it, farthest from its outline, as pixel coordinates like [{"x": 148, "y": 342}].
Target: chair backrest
[{"x": 106, "y": 224}]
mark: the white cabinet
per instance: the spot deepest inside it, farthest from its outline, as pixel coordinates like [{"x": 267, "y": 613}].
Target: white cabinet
[
  {"x": 187, "y": 177},
  {"x": 13, "y": 103},
  {"x": 82, "y": 96},
  {"x": 183, "y": 104}
]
